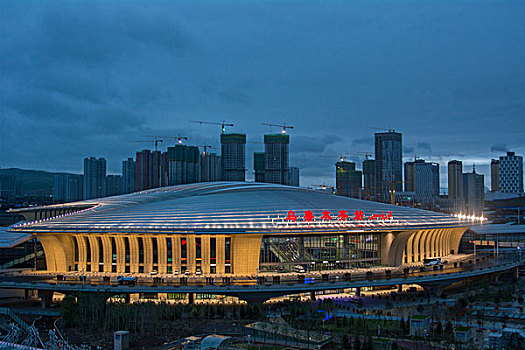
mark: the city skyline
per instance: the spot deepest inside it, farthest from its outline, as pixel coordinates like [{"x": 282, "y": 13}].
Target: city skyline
[{"x": 71, "y": 92}]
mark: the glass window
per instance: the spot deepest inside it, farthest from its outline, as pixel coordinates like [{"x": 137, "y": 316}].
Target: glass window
[
  {"x": 126, "y": 250},
  {"x": 88, "y": 250},
  {"x": 141, "y": 250},
  {"x": 183, "y": 250},
  {"x": 76, "y": 248},
  {"x": 170, "y": 250},
  {"x": 155, "y": 251}
]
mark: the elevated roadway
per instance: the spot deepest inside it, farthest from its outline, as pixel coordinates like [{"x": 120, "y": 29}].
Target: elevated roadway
[{"x": 259, "y": 287}]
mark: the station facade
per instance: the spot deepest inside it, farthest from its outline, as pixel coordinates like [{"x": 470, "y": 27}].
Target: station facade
[{"x": 235, "y": 228}]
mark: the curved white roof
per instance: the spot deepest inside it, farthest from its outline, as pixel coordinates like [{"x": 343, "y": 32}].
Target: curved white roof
[{"x": 233, "y": 207}]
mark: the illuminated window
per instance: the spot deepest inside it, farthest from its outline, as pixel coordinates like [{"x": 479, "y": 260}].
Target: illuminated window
[
  {"x": 213, "y": 255},
  {"x": 227, "y": 255},
  {"x": 183, "y": 253}
]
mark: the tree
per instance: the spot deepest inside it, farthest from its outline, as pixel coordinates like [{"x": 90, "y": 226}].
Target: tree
[
  {"x": 69, "y": 310},
  {"x": 439, "y": 329},
  {"x": 357, "y": 343},
  {"x": 368, "y": 345},
  {"x": 346, "y": 342}
]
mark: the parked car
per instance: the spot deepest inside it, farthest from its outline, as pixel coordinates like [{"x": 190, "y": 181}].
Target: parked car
[
  {"x": 176, "y": 272},
  {"x": 153, "y": 272},
  {"x": 198, "y": 272},
  {"x": 126, "y": 280}
]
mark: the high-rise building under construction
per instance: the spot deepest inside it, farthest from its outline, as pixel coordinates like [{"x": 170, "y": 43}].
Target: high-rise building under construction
[{"x": 233, "y": 157}]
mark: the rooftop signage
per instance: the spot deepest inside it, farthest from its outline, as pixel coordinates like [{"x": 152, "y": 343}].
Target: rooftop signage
[{"x": 340, "y": 216}]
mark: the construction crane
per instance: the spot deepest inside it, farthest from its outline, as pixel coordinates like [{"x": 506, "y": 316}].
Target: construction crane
[
  {"x": 156, "y": 140},
  {"x": 384, "y": 129},
  {"x": 392, "y": 189},
  {"x": 223, "y": 124},
  {"x": 284, "y": 126},
  {"x": 366, "y": 154},
  {"x": 178, "y": 138},
  {"x": 156, "y": 174},
  {"x": 204, "y": 154},
  {"x": 341, "y": 157}
]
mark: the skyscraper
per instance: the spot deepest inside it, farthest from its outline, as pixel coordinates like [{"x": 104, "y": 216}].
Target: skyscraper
[
  {"x": 455, "y": 179},
  {"x": 68, "y": 187},
  {"x": 369, "y": 175},
  {"x": 410, "y": 174},
  {"x": 184, "y": 164},
  {"x": 426, "y": 181},
  {"x": 389, "y": 163},
  {"x": 276, "y": 158},
  {"x": 94, "y": 178},
  {"x": 348, "y": 181},
  {"x": 474, "y": 192},
  {"x": 210, "y": 166},
  {"x": 511, "y": 173},
  {"x": 128, "y": 175},
  {"x": 258, "y": 166},
  {"x": 293, "y": 176},
  {"x": 144, "y": 170},
  {"x": 113, "y": 185},
  {"x": 494, "y": 175},
  {"x": 233, "y": 157}
]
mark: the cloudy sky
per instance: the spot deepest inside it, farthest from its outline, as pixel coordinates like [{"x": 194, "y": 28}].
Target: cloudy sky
[{"x": 81, "y": 79}]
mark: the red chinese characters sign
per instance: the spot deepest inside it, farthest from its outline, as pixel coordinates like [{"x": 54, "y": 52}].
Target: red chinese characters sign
[{"x": 341, "y": 215}]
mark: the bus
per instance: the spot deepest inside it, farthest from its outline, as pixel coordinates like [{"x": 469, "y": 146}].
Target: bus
[
  {"x": 431, "y": 261},
  {"x": 299, "y": 269}
]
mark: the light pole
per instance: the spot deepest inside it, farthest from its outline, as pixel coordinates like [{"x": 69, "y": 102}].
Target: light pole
[
  {"x": 518, "y": 268},
  {"x": 83, "y": 277}
]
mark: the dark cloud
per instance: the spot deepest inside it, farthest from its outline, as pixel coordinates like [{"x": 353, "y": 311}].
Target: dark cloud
[
  {"x": 500, "y": 147},
  {"x": 424, "y": 146},
  {"x": 310, "y": 144},
  {"x": 82, "y": 78},
  {"x": 366, "y": 140}
]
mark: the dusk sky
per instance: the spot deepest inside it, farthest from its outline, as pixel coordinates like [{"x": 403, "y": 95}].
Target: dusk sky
[{"x": 80, "y": 79}]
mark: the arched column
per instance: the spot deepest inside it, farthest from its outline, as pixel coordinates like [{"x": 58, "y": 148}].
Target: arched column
[
  {"x": 69, "y": 250},
  {"x": 56, "y": 260},
  {"x": 456, "y": 238},
  {"x": 220, "y": 253},
  {"x": 148, "y": 253},
  {"x": 415, "y": 249},
  {"x": 398, "y": 248},
  {"x": 121, "y": 254},
  {"x": 93, "y": 243},
  {"x": 134, "y": 253},
  {"x": 162, "y": 253},
  {"x": 176, "y": 252},
  {"x": 106, "y": 244},
  {"x": 205, "y": 240},
  {"x": 424, "y": 245},
  {"x": 82, "y": 256}
]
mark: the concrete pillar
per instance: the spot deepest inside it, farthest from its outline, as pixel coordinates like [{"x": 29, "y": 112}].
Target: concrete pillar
[
  {"x": 312, "y": 296},
  {"x": 46, "y": 296},
  {"x": 399, "y": 288},
  {"x": 358, "y": 292},
  {"x": 127, "y": 298},
  {"x": 191, "y": 298}
]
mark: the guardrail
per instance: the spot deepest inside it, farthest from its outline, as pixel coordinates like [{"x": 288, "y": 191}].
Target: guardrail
[{"x": 251, "y": 286}]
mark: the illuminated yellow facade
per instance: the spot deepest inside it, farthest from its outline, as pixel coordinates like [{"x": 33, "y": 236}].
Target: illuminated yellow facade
[{"x": 121, "y": 235}]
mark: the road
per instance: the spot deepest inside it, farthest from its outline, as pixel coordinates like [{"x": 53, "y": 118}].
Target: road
[{"x": 268, "y": 286}]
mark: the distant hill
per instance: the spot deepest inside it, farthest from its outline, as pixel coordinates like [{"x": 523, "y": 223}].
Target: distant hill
[{"x": 34, "y": 182}]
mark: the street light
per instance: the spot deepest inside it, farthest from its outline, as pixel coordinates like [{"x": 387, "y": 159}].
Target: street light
[{"x": 83, "y": 277}]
